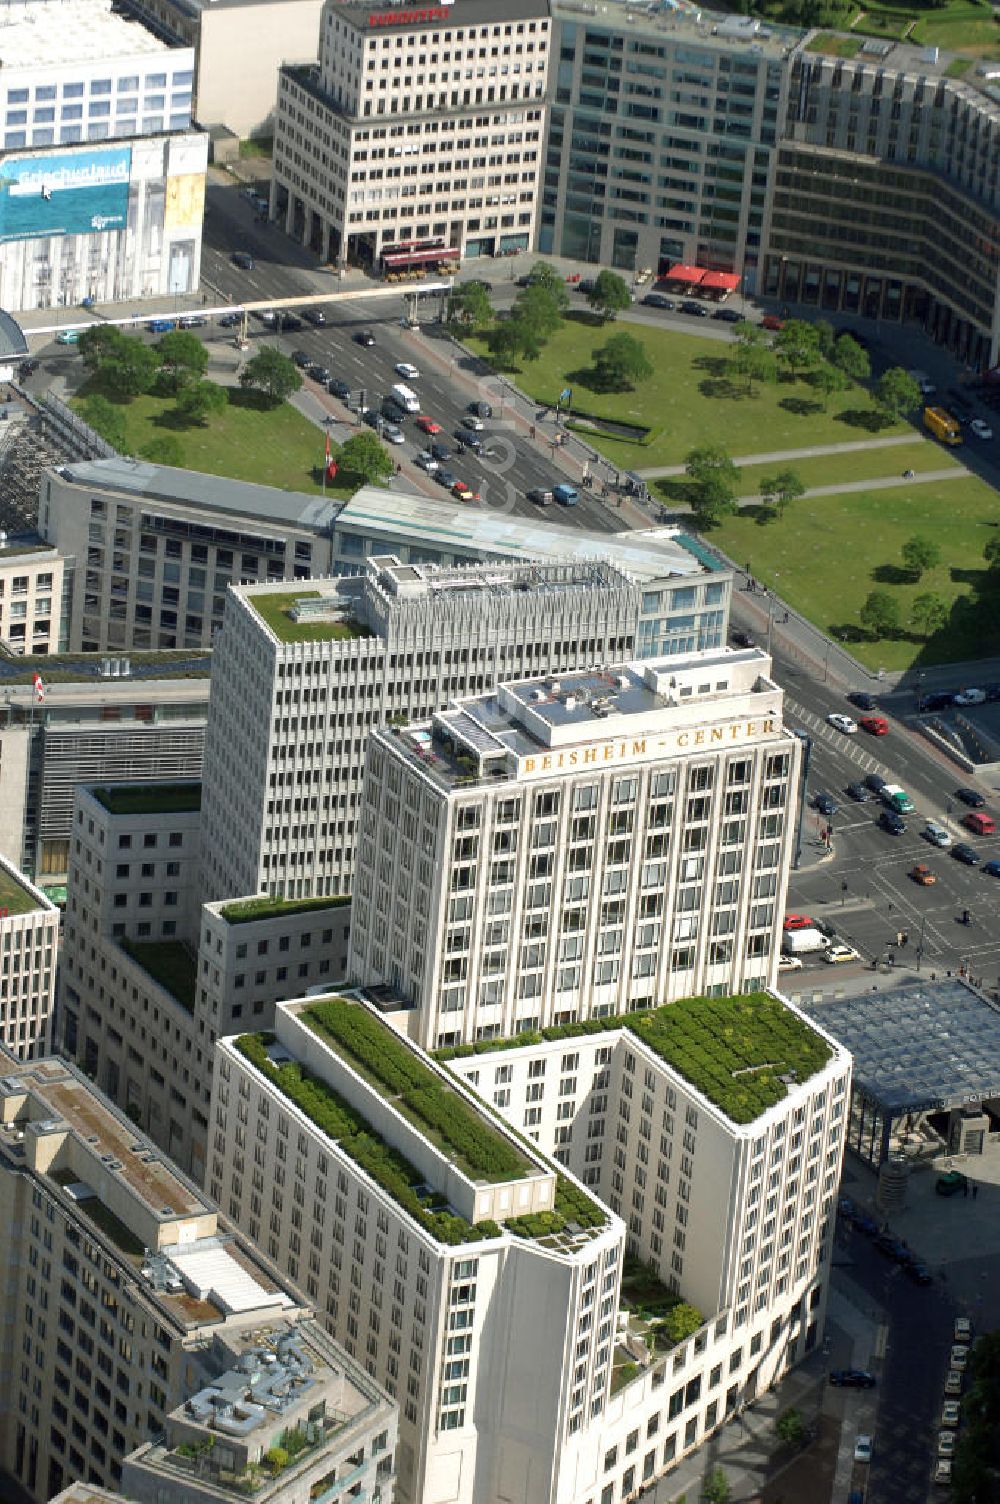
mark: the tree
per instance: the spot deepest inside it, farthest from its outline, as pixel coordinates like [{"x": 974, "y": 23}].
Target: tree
[
  {"x": 880, "y": 614},
  {"x": 538, "y": 306},
  {"x": 129, "y": 367},
  {"x": 790, "y": 1427},
  {"x": 928, "y": 614},
  {"x": 364, "y": 457},
  {"x": 715, "y": 478},
  {"x": 778, "y": 490},
  {"x": 107, "y": 420},
  {"x": 609, "y": 295},
  {"x": 544, "y": 276},
  {"x": 716, "y": 1489},
  {"x": 849, "y": 357},
  {"x": 469, "y": 305},
  {"x": 201, "y": 400},
  {"x": 272, "y": 374},
  {"x": 920, "y": 554},
  {"x": 513, "y": 337},
  {"x": 826, "y": 337},
  {"x": 797, "y": 345},
  {"x": 753, "y": 358},
  {"x": 183, "y": 359},
  {"x": 167, "y": 449},
  {"x": 991, "y": 553},
  {"x": 622, "y": 362},
  {"x": 681, "y": 1322},
  {"x": 896, "y": 393},
  {"x": 98, "y": 343},
  {"x": 828, "y": 379}
]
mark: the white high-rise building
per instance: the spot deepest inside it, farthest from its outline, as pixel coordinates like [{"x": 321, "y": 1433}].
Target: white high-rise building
[
  {"x": 577, "y": 846},
  {"x": 302, "y": 673},
  {"x": 517, "y": 1319}
]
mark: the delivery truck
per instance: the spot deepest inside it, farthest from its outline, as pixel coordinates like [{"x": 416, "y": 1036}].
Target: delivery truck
[
  {"x": 801, "y": 942},
  {"x": 942, "y": 425}
]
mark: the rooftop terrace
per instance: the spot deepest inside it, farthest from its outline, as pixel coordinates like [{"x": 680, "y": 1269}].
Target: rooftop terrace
[
  {"x": 171, "y": 964},
  {"x": 149, "y": 798},
  {"x": 305, "y": 615},
  {"x": 254, "y": 910},
  {"x": 15, "y": 895}
]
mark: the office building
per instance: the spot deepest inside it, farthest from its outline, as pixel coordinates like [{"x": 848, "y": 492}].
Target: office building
[
  {"x": 418, "y": 134},
  {"x": 662, "y": 133},
  {"x": 577, "y": 846},
  {"x": 148, "y": 981},
  {"x": 126, "y": 1296},
  {"x": 31, "y": 599},
  {"x": 476, "y": 1279},
  {"x": 29, "y": 942},
  {"x": 300, "y": 677},
  {"x": 103, "y": 176}
]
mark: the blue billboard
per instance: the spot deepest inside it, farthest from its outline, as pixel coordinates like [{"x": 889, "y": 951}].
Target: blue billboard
[{"x": 70, "y": 193}]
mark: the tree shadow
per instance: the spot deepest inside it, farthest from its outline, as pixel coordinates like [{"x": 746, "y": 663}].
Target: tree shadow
[
  {"x": 975, "y": 577},
  {"x": 892, "y": 574},
  {"x": 863, "y": 417},
  {"x": 676, "y": 489},
  {"x": 849, "y": 631},
  {"x": 584, "y": 316},
  {"x": 171, "y": 420},
  {"x": 801, "y": 407},
  {"x": 592, "y": 380},
  {"x": 715, "y": 365},
  {"x": 722, "y": 386},
  {"x": 248, "y": 397}
]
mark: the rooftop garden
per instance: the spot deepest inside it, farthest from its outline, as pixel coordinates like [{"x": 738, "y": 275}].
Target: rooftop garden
[
  {"x": 150, "y": 798},
  {"x": 14, "y": 896},
  {"x": 170, "y": 963},
  {"x": 275, "y": 610},
  {"x": 742, "y": 1053},
  {"x": 249, "y": 910},
  {"x": 113, "y": 1228},
  {"x": 469, "y": 1139}
]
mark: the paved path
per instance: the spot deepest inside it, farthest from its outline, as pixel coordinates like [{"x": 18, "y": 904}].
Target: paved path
[
  {"x": 772, "y": 456},
  {"x": 884, "y": 484}
]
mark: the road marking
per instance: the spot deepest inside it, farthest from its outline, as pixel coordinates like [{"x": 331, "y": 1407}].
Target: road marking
[{"x": 881, "y": 1343}]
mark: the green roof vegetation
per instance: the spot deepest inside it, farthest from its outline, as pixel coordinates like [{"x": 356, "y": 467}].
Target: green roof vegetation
[
  {"x": 170, "y": 963},
  {"x": 274, "y": 609},
  {"x": 113, "y": 1228},
  {"x": 247, "y": 910},
  {"x": 14, "y": 896},
  {"x": 150, "y": 798},
  {"x": 735, "y": 1050}
]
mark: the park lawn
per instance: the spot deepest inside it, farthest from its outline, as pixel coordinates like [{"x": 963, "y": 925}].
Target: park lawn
[
  {"x": 272, "y": 446},
  {"x": 834, "y": 45},
  {"x": 959, "y": 28},
  {"x": 689, "y": 400},
  {"x": 828, "y": 553},
  {"x": 837, "y": 469}
]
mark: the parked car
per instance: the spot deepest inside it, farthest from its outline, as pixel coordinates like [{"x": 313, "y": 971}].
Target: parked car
[
  {"x": 441, "y": 452},
  {"x": 858, "y": 793},
  {"x": 970, "y": 697},
  {"x": 959, "y": 1357},
  {"x": 229, "y": 320},
  {"x": 338, "y": 387},
  {"x": 728, "y": 316},
  {"x": 798, "y": 922},
  {"x": 427, "y": 425},
  {"x": 939, "y": 700},
  {"x": 892, "y": 1248},
  {"x": 266, "y": 315},
  {"x": 68, "y": 337},
  {"x": 825, "y": 803},
  {"x": 972, "y": 797},
  {"x": 567, "y": 496},
  {"x": 844, "y": 723},
  {"x": 963, "y": 852},
  {"x": 992, "y": 868},
  {"x": 953, "y": 1382},
  {"x": 838, "y": 955},
  {"x": 364, "y": 337},
  {"x": 875, "y": 783},
  {"x": 472, "y": 421},
  {"x": 193, "y": 321},
  {"x": 243, "y": 260},
  {"x": 852, "y": 1378},
  {"x": 445, "y": 478},
  {"x": 463, "y": 491},
  {"x": 981, "y": 428},
  {"x": 657, "y": 300},
  {"x": 893, "y": 822},
  {"x": 875, "y": 725},
  {"x": 951, "y": 1413},
  {"x": 936, "y": 834},
  {"x": 919, "y": 1273},
  {"x": 291, "y": 323},
  {"x": 696, "y": 310},
  {"x": 922, "y": 875},
  {"x": 302, "y": 359},
  {"x": 316, "y": 317},
  {"x": 161, "y": 326},
  {"x": 863, "y": 700},
  {"x": 481, "y": 409},
  {"x": 742, "y": 639},
  {"x": 863, "y": 1448},
  {"x": 951, "y": 1183},
  {"x": 466, "y": 439},
  {"x": 540, "y": 496},
  {"x": 946, "y": 1443},
  {"x": 393, "y": 434},
  {"x": 318, "y": 372},
  {"x": 426, "y": 461},
  {"x": 979, "y": 822},
  {"x": 789, "y": 963},
  {"x": 962, "y": 1330}
]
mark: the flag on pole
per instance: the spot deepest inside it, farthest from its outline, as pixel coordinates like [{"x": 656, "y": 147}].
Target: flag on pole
[
  {"x": 39, "y": 687},
  {"x": 331, "y": 464}
]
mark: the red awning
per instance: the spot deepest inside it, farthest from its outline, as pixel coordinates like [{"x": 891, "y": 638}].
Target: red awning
[
  {"x": 724, "y": 281},
  {"x": 681, "y": 273},
  {"x": 420, "y": 258}
]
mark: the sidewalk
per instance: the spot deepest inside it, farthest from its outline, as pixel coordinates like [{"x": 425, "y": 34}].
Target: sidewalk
[{"x": 778, "y": 456}]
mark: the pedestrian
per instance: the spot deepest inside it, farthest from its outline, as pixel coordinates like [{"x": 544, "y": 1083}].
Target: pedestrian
[
  {"x": 532, "y": 430},
  {"x": 399, "y": 468},
  {"x": 975, "y": 1191}
]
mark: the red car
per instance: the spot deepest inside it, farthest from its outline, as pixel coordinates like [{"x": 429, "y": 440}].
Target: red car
[
  {"x": 772, "y": 321},
  {"x": 427, "y": 424},
  {"x": 464, "y": 492},
  {"x": 877, "y": 725},
  {"x": 798, "y": 922}
]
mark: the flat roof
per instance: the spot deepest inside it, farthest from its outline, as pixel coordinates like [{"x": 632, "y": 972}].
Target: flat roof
[
  {"x": 46, "y": 33},
  {"x": 920, "y": 1047},
  {"x": 243, "y": 500},
  {"x": 718, "y": 31},
  {"x": 17, "y": 895},
  {"x": 646, "y": 554},
  {"x": 148, "y": 798},
  {"x": 453, "y": 14}
]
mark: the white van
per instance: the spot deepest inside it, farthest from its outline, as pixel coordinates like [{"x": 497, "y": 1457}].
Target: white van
[{"x": 406, "y": 397}]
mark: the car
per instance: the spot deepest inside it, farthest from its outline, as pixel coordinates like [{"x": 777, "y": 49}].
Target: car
[
  {"x": 472, "y": 421},
  {"x": 161, "y": 326},
  {"x": 27, "y": 368},
  {"x": 970, "y": 697},
  {"x": 825, "y": 803},
  {"x": 540, "y": 495},
  {"x": 68, "y": 337},
  {"x": 893, "y": 822},
  {"x": 364, "y": 337},
  {"x": 919, "y": 1273},
  {"x": 302, "y": 359},
  {"x": 981, "y": 428},
  {"x": 892, "y": 1248},
  {"x": 393, "y": 434},
  {"x": 953, "y": 1382},
  {"x": 963, "y": 852},
  {"x": 426, "y": 461},
  {"x": 946, "y": 1443},
  {"x": 939, "y": 700},
  {"x": 481, "y": 409},
  {"x": 957, "y": 405},
  {"x": 338, "y": 387},
  {"x": 865, "y": 1224},
  {"x": 839, "y": 955},
  {"x": 441, "y": 452},
  {"x": 315, "y": 316},
  {"x": 972, "y": 797},
  {"x": 728, "y": 316},
  {"x": 798, "y": 922},
  {"x": 567, "y": 496},
  {"x": 318, "y": 372},
  {"x": 789, "y": 963},
  {"x": 445, "y": 478},
  {"x": 875, "y": 783},
  {"x": 243, "y": 260},
  {"x": 193, "y": 321},
  {"x": 992, "y": 868},
  {"x": 427, "y": 425},
  {"x": 922, "y": 875},
  {"x": 291, "y": 323},
  {"x": 696, "y": 310},
  {"x": 466, "y": 439},
  {"x": 772, "y": 321},
  {"x": 405, "y": 369},
  {"x": 936, "y": 834},
  {"x": 962, "y": 1330},
  {"x": 959, "y": 1357},
  {"x": 463, "y": 491},
  {"x": 742, "y": 639},
  {"x": 858, "y": 793},
  {"x": 992, "y": 693},
  {"x": 852, "y": 1378},
  {"x": 266, "y": 315},
  {"x": 230, "y": 320},
  {"x": 863, "y": 700},
  {"x": 863, "y": 1448},
  {"x": 875, "y": 725},
  {"x": 951, "y": 1413},
  {"x": 657, "y": 300},
  {"x": 392, "y": 410},
  {"x": 950, "y": 1183},
  {"x": 942, "y": 1471},
  {"x": 480, "y": 282},
  {"x": 372, "y": 418},
  {"x": 843, "y": 723}
]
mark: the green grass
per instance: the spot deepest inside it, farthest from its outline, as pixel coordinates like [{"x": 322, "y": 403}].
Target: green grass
[
  {"x": 875, "y": 23},
  {"x": 689, "y": 400},
  {"x": 829, "y": 470},
  {"x": 958, "y": 67},
  {"x": 827, "y": 554},
  {"x": 273, "y": 607},
  {"x": 170, "y": 963},
  {"x": 15, "y": 899},
  {"x": 960, "y": 27},
  {"x": 270, "y": 446},
  {"x": 256, "y": 146},
  {"x": 150, "y": 798},
  {"x": 834, "y": 45},
  {"x": 249, "y": 910}
]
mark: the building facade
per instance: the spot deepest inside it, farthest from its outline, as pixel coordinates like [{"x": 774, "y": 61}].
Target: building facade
[
  {"x": 573, "y": 847},
  {"x": 104, "y": 178},
  {"x": 29, "y": 946},
  {"x": 126, "y": 1295},
  {"x": 415, "y": 128},
  {"x": 299, "y": 680},
  {"x": 32, "y": 609}
]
